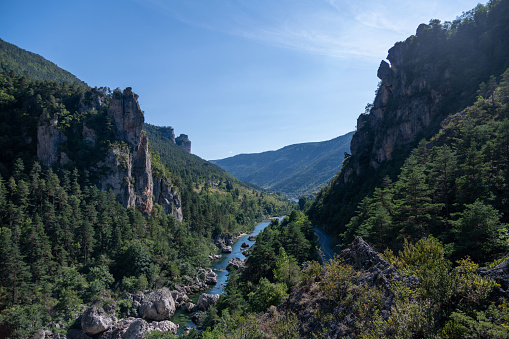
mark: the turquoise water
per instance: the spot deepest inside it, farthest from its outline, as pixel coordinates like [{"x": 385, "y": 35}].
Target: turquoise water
[{"x": 181, "y": 317}]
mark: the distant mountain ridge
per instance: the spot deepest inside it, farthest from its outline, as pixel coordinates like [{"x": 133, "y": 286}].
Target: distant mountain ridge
[{"x": 298, "y": 169}]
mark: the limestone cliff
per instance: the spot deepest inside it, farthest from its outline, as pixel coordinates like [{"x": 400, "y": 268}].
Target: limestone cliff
[
  {"x": 184, "y": 142},
  {"x": 126, "y": 166},
  {"x": 430, "y": 75},
  {"x": 49, "y": 139}
]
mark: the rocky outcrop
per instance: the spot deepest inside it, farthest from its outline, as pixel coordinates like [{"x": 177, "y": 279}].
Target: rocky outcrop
[
  {"x": 135, "y": 328},
  {"x": 236, "y": 263},
  {"x": 500, "y": 274},
  {"x": 184, "y": 142},
  {"x": 98, "y": 318},
  {"x": 49, "y": 139},
  {"x": 168, "y": 133},
  {"x": 127, "y": 116},
  {"x": 205, "y": 301},
  {"x": 376, "y": 270},
  {"x": 226, "y": 249},
  {"x": 167, "y": 195},
  {"x": 310, "y": 304},
  {"x": 211, "y": 278},
  {"x": 189, "y": 307},
  {"x": 130, "y": 174},
  {"x": 223, "y": 240},
  {"x": 127, "y": 167},
  {"x": 158, "y": 305}
]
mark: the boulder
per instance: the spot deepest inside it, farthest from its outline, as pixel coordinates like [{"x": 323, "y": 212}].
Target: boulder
[
  {"x": 222, "y": 240},
  {"x": 135, "y": 328},
  {"x": 189, "y": 307},
  {"x": 236, "y": 263},
  {"x": 98, "y": 318},
  {"x": 179, "y": 297},
  {"x": 206, "y": 300},
  {"x": 244, "y": 245},
  {"x": 251, "y": 238},
  {"x": 227, "y": 249},
  {"x": 158, "y": 305},
  {"x": 211, "y": 278},
  {"x": 163, "y": 326}
]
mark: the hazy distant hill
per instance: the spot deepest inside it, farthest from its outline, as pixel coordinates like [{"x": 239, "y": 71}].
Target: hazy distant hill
[
  {"x": 13, "y": 58},
  {"x": 295, "y": 170}
]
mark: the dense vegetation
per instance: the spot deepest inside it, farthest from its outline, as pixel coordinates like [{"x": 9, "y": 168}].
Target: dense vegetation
[
  {"x": 454, "y": 186},
  {"x": 215, "y": 201},
  {"x": 452, "y": 59},
  {"x": 436, "y": 211},
  {"x": 282, "y": 257},
  {"x": 422, "y": 295},
  {"x": 295, "y": 170},
  {"x": 64, "y": 242},
  {"x": 34, "y": 66}
]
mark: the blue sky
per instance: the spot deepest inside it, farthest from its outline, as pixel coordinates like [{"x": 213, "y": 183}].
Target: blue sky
[{"x": 237, "y": 76}]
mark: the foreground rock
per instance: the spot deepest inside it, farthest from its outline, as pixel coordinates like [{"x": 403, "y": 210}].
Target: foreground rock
[
  {"x": 308, "y": 301},
  {"x": 158, "y": 305},
  {"x": 236, "y": 263}
]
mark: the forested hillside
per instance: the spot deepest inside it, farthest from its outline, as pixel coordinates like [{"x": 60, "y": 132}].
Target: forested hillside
[
  {"x": 76, "y": 221},
  {"x": 417, "y": 209},
  {"x": 13, "y": 58},
  {"x": 453, "y": 186},
  {"x": 212, "y": 198},
  {"x": 433, "y": 74},
  {"x": 295, "y": 170}
]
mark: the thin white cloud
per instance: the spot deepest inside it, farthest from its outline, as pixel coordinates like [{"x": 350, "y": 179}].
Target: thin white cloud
[{"x": 334, "y": 28}]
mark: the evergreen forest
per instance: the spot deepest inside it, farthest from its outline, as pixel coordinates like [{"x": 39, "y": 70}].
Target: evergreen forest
[{"x": 420, "y": 230}]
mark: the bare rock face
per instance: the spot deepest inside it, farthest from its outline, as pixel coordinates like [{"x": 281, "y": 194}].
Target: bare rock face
[
  {"x": 166, "y": 195},
  {"x": 127, "y": 165},
  {"x": 48, "y": 140},
  {"x": 128, "y": 117},
  {"x": 142, "y": 171},
  {"x": 158, "y": 305},
  {"x": 169, "y": 133},
  {"x": 184, "y": 142},
  {"x": 500, "y": 274}
]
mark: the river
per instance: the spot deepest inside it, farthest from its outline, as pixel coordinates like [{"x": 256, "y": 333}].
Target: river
[{"x": 219, "y": 266}]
